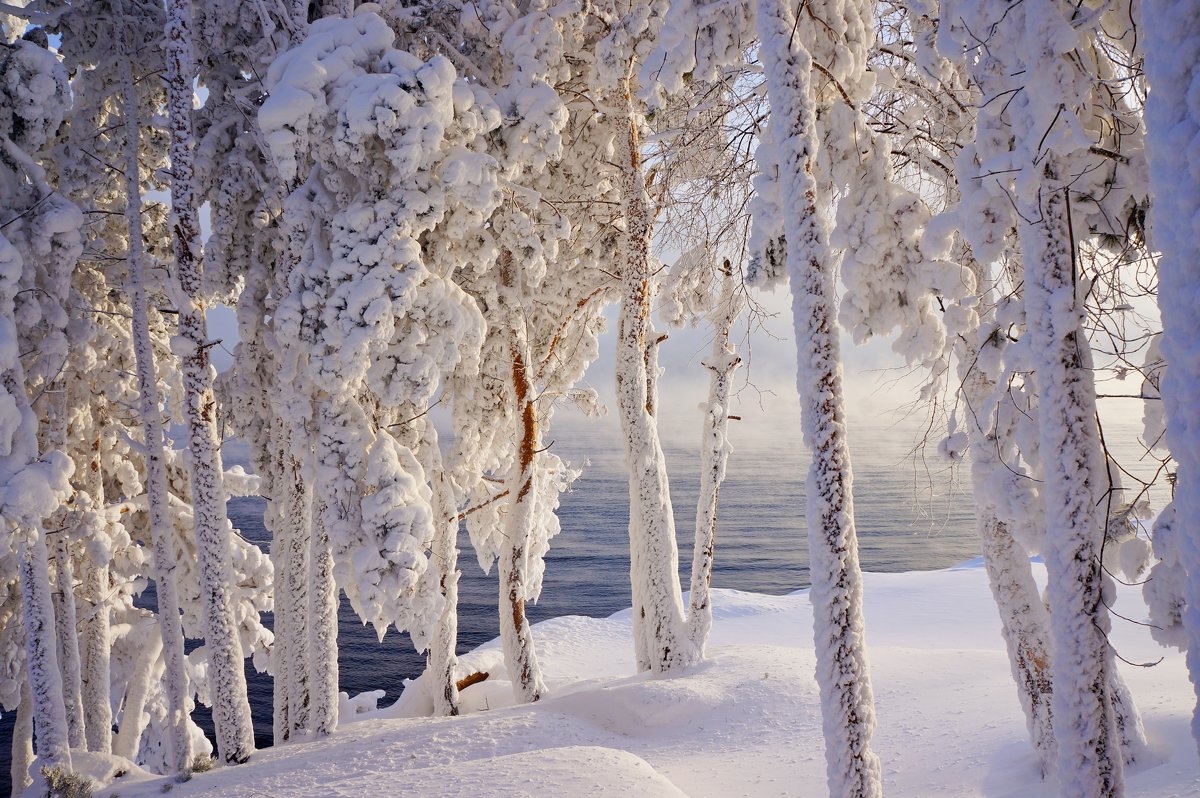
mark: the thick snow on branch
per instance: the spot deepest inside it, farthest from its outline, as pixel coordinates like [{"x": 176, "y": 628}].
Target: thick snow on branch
[
  {"x": 392, "y": 148},
  {"x": 698, "y": 41},
  {"x": 386, "y": 571}
]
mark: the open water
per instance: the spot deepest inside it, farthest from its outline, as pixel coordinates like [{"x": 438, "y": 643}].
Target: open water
[
  {"x": 912, "y": 515},
  {"x": 907, "y": 519}
]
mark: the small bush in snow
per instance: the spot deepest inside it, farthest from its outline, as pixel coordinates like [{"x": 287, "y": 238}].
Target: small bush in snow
[{"x": 62, "y": 783}]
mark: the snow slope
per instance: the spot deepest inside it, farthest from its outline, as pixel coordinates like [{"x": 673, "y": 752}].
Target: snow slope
[{"x": 745, "y": 722}]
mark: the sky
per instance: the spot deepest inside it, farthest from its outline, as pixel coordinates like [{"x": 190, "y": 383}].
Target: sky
[
  {"x": 879, "y": 390},
  {"x": 879, "y": 396},
  {"x": 765, "y": 380}
]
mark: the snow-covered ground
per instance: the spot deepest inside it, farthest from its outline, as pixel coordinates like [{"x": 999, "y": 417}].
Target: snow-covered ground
[{"x": 744, "y": 723}]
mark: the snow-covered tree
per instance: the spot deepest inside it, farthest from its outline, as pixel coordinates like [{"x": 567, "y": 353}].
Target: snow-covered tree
[
  {"x": 227, "y": 679},
  {"x": 1059, "y": 161},
  {"x": 793, "y": 180},
  {"x": 153, "y": 440},
  {"x": 1171, "y": 42},
  {"x": 661, "y": 642},
  {"x": 248, "y": 258},
  {"x": 715, "y": 448},
  {"x": 700, "y": 166},
  {"x": 39, "y": 243},
  {"x": 935, "y": 99},
  {"x": 537, "y": 281},
  {"x": 387, "y": 143}
]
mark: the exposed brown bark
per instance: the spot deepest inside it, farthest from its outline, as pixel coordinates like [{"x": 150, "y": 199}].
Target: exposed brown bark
[
  {"x": 474, "y": 678},
  {"x": 520, "y": 656},
  {"x": 660, "y": 637}
]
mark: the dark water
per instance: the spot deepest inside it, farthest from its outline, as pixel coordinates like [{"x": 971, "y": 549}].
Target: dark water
[
  {"x": 761, "y": 541},
  {"x": 908, "y": 518}
]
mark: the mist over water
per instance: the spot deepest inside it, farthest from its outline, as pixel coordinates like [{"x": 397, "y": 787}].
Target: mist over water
[
  {"x": 907, "y": 519},
  {"x": 912, "y": 514}
]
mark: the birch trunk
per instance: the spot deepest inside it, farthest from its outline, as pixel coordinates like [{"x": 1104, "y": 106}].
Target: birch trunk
[
  {"x": 37, "y": 619},
  {"x": 277, "y": 520},
  {"x": 515, "y": 635},
  {"x": 847, "y": 702},
  {"x": 1024, "y": 622},
  {"x": 133, "y": 717},
  {"x": 226, "y": 669},
  {"x": 1172, "y": 32},
  {"x": 67, "y": 631},
  {"x": 443, "y": 660},
  {"x": 281, "y": 653},
  {"x": 322, "y": 596},
  {"x": 22, "y": 743},
  {"x": 97, "y": 703},
  {"x": 336, "y": 507},
  {"x": 295, "y": 566},
  {"x": 96, "y": 632},
  {"x": 65, "y": 625},
  {"x": 152, "y": 430},
  {"x": 714, "y": 455},
  {"x": 300, "y": 509},
  {"x": 41, "y": 656},
  {"x": 1089, "y": 759},
  {"x": 661, "y": 642}
]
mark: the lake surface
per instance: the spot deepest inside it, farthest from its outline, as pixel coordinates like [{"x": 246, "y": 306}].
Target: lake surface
[
  {"x": 907, "y": 519},
  {"x": 912, "y": 514}
]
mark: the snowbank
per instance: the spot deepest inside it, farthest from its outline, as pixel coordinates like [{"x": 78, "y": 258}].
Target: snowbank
[{"x": 746, "y": 722}]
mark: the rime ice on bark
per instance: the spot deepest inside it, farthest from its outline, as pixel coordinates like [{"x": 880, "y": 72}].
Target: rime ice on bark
[
  {"x": 231, "y": 707},
  {"x": 1048, "y": 145},
  {"x": 714, "y": 456},
  {"x": 661, "y": 641},
  {"x": 444, "y": 553},
  {"x": 68, "y": 640},
  {"x": 152, "y": 429},
  {"x": 535, "y": 272},
  {"x": 1004, "y": 500},
  {"x": 1089, "y": 762},
  {"x": 847, "y": 704},
  {"x": 1172, "y": 51},
  {"x": 1023, "y": 618}
]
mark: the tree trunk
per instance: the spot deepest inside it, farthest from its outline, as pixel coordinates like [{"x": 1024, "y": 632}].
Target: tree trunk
[
  {"x": 22, "y": 743},
  {"x": 66, "y": 628},
  {"x": 515, "y": 635},
  {"x": 1089, "y": 759},
  {"x": 299, "y": 523},
  {"x": 661, "y": 642},
  {"x": 97, "y": 701},
  {"x": 323, "y": 603},
  {"x": 59, "y": 548},
  {"x": 152, "y": 430},
  {"x": 137, "y": 692},
  {"x": 37, "y": 611},
  {"x": 226, "y": 669},
  {"x": 41, "y": 656},
  {"x": 96, "y": 632},
  {"x": 1131, "y": 732},
  {"x": 847, "y": 702},
  {"x": 1172, "y": 36},
  {"x": 714, "y": 454},
  {"x": 443, "y": 660},
  {"x": 1024, "y": 622},
  {"x": 336, "y": 507},
  {"x": 277, "y": 519}
]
